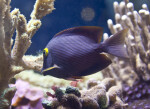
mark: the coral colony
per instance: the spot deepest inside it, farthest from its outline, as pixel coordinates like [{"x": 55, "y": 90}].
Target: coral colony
[
  {"x": 126, "y": 83},
  {"x": 135, "y": 74},
  {"x": 14, "y": 61},
  {"x": 27, "y": 95},
  {"x": 99, "y": 95},
  {"x": 137, "y": 42}
]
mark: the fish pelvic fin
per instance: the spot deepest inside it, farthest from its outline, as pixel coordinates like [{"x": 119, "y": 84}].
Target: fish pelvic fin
[{"x": 115, "y": 45}]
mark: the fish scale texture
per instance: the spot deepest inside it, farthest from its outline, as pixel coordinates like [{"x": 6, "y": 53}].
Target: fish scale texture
[{"x": 74, "y": 51}]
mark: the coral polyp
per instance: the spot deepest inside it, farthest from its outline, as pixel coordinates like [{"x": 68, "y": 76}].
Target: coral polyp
[{"x": 139, "y": 92}]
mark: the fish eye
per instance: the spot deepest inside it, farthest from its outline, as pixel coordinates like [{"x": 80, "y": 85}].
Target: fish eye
[{"x": 45, "y": 52}]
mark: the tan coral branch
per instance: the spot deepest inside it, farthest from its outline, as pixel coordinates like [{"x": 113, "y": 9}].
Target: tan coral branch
[
  {"x": 14, "y": 61},
  {"x": 42, "y": 8},
  {"x": 137, "y": 42}
]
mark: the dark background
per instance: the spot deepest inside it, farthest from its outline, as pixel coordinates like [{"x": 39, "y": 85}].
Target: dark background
[{"x": 69, "y": 13}]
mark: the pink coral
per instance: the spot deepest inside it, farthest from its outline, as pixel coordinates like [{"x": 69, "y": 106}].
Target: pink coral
[{"x": 27, "y": 96}]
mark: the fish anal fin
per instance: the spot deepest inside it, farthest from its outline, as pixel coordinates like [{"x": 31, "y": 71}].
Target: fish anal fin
[
  {"x": 73, "y": 78},
  {"x": 93, "y": 32},
  {"x": 103, "y": 61}
]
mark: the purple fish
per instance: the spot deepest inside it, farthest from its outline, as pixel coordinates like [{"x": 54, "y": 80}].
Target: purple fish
[{"x": 78, "y": 51}]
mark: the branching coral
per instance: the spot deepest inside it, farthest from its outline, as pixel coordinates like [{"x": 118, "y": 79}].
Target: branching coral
[
  {"x": 13, "y": 61},
  {"x": 137, "y": 43},
  {"x": 138, "y": 48}
]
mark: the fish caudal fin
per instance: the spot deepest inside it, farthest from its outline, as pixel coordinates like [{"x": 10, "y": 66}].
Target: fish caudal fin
[{"x": 115, "y": 44}]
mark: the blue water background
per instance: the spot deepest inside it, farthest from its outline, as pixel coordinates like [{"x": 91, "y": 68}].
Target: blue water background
[{"x": 66, "y": 15}]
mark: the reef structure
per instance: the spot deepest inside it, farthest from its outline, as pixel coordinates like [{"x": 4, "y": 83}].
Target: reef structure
[
  {"x": 134, "y": 74},
  {"x": 137, "y": 96},
  {"x": 14, "y": 60},
  {"x": 99, "y": 95},
  {"x": 137, "y": 43},
  {"x": 27, "y": 96}
]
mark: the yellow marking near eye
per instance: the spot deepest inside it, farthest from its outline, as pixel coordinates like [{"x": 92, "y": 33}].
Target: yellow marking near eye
[
  {"x": 45, "y": 51},
  {"x": 48, "y": 69}
]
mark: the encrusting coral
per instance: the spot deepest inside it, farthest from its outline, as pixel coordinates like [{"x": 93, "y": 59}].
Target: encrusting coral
[
  {"x": 13, "y": 60},
  {"x": 100, "y": 95},
  {"x": 137, "y": 43},
  {"x": 45, "y": 82},
  {"x": 140, "y": 91},
  {"x": 27, "y": 96}
]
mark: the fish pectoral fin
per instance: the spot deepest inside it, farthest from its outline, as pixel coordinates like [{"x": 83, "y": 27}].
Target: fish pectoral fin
[{"x": 50, "y": 68}]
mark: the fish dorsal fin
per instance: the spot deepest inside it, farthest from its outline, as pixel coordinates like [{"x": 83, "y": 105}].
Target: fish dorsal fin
[{"x": 92, "y": 32}]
